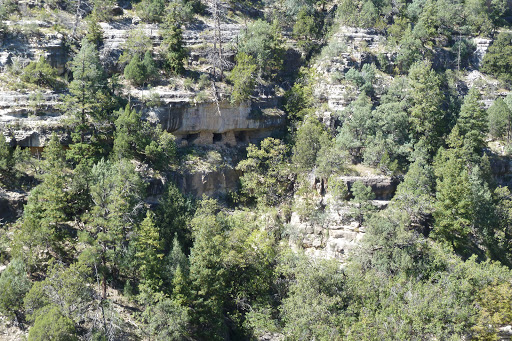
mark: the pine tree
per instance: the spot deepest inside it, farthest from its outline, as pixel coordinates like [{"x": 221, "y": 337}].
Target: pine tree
[
  {"x": 498, "y": 59},
  {"x": 453, "y": 206},
  {"x": 174, "y": 51},
  {"x": 46, "y": 207},
  {"x": 173, "y": 213},
  {"x": 472, "y": 122},
  {"x": 116, "y": 192},
  {"x": 242, "y": 76},
  {"x": 265, "y": 172},
  {"x": 426, "y": 116},
  {"x": 149, "y": 252},
  {"x": 362, "y": 195},
  {"x": 309, "y": 139},
  {"x": 94, "y": 31},
  {"x": 89, "y": 100},
  {"x": 180, "y": 288},
  {"x": 135, "y": 71},
  {"x": 149, "y": 66},
  {"x": 207, "y": 275},
  {"x": 151, "y": 10},
  {"x": 415, "y": 195},
  {"x": 174, "y": 260},
  {"x": 500, "y": 119}
]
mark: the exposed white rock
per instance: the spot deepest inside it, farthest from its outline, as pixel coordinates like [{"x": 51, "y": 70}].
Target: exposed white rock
[
  {"x": 332, "y": 236},
  {"x": 482, "y": 44}
]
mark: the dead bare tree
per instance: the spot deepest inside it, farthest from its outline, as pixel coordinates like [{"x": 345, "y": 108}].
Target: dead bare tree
[
  {"x": 215, "y": 55},
  {"x": 82, "y": 8},
  {"x": 218, "y": 11}
]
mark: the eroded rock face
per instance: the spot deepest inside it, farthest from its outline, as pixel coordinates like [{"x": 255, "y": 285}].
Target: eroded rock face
[
  {"x": 26, "y": 48},
  {"x": 200, "y": 33},
  {"x": 482, "y": 44},
  {"x": 214, "y": 183},
  {"x": 200, "y": 124},
  {"x": 206, "y": 123},
  {"x": 349, "y": 47},
  {"x": 332, "y": 236},
  {"x": 332, "y": 232}
]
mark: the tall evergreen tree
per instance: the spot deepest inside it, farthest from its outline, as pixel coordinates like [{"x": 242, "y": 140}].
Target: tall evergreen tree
[
  {"x": 427, "y": 97},
  {"x": 207, "y": 275},
  {"x": 415, "y": 195},
  {"x": 149, "y": 252},
  {"x": 116, "y": 192},
  {"x": 453, "y": 205},
  {"x": 472, "y": 122},
  {"x": 500, "y": 119},
  {"x": 89, "y": 98},
  {"x": 174, "y": 51},
  {"x": 46, "y": 207}
]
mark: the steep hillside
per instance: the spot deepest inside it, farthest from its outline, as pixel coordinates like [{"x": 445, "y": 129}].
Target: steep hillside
[{"x": 249, "y": 170}]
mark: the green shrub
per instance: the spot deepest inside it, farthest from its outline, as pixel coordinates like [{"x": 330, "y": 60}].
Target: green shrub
[
  {"x": 52, "y": 325},
  {"x": 204, "y": 81},
  {"x": 40, "y": 73},
  {"x": 188, "y": 84},
  {"x": 242, "y": 77},
  {"x": 134, "y": 71},
  {"x": 14, "y": 284},
  {"x": 305, "y": 29},
  {"x": 200, "y": 97},
  {"x": 262, "y": 42},
  {"x": 151, "y": 10},
  {"x": 498, "y": 59},
  {"x": 140, "y": 71}
]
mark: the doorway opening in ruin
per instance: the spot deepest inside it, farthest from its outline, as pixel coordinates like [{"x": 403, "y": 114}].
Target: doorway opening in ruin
[
  {"x": 191, "y": 137},
  {"x": 217, "y": 137},
  {"x": 241, "y": 136}
]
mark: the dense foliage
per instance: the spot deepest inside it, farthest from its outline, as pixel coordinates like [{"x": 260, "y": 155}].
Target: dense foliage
[{"x": 112, "y": 246}]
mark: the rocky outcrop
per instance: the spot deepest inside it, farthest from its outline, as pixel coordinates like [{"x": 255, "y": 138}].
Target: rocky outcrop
[
  {"x": 384, "y": 187},
  {"x": 202, "y": 123},
  {"x": 29, "y": 118},
  {"x": 11, "y": 205},
  {"x": 16, "y": 105},
  {"x": 505, "y": 333},
  {"x": 349, "y": 47},
  {"x": 28, "y": 121},
  {"x": 331, "y": 231},
  {"x": 481, "y": 44},
  {"x": 28, "y": 46},
  {"x": 331, "y": 236},
  {"x": 196, "y": 37},
  {"x": 353, "y": 47},
  {"x": 207, "y": 123}
]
